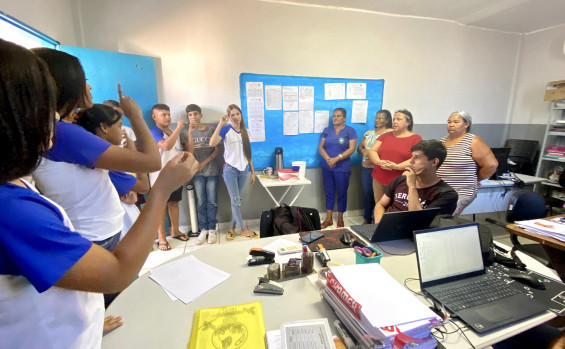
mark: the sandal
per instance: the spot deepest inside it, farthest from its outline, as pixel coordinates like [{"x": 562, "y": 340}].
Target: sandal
[
  {"x": 164, "y": 246},
  {"x": 181, "y": 237},
  {"x": 326, "y": 224},
  {"x": 230, "y": 235},
  {"x": 253, "y": 236},
  {"x": 339, "y": 224}
]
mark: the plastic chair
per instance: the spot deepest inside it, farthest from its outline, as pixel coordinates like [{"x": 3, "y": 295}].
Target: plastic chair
[
  {"x": 525, "y": 205},
  {"x": 524, "y": 153}
]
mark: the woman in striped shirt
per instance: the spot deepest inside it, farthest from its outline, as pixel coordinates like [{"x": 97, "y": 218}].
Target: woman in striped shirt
[{"x": 469, "y": 160}]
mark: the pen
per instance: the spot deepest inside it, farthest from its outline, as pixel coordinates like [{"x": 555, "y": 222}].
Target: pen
[{"x": 342, "y": 333}]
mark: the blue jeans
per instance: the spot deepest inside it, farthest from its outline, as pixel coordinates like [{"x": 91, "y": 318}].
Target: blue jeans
[
  {"x": 235, "y": 181},
  {"x": 109, "y": 243},
  {"x": 368, "y": 196},
  {"x": 206, "y": 188}
]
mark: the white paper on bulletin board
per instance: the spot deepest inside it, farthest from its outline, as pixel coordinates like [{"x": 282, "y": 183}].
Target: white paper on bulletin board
[
  {"x": 290, "y": 97},
  {"x": 356, "y": 90},
  {"x": 273, "y": 97},
  {"x": 334, "y": 91},
  {"x": 306, "y": 121},
  {"x": 290, "y": 123},
  {"x": 359, "y": 112},
  {"x": 321, "y": 120}
]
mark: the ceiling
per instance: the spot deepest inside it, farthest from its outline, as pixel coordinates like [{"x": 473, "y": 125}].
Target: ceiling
[{"x": 516, "y": 16}]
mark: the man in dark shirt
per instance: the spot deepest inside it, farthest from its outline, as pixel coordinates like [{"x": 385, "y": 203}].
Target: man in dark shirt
[{"x": 419, "y": 186}]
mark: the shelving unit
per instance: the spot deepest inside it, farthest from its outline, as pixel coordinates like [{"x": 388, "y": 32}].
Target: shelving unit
[{"x": 547, "y": 163}]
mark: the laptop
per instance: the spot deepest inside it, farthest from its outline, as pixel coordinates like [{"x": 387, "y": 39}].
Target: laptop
[
  {"x": 452, "y": 272},
  {"x": 397, "y": 225},
  {"x": 501, "y": 155}
]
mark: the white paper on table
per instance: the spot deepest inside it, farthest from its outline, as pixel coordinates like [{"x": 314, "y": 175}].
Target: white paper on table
[
  {"x": 290, "y": 123},
  {"x": 384, "y": 301},
  {"x": 290, "y": 97},
  {"x": 306, "y": 121},
  {"x": 321, "y": 120},
  {"x": 356, "y": 90},
  {"x": 334, "y": 91},
  {"x": 306, "y": 97},
  {"x": 359, "y": 111},
  {"x": 282, "y": 258},
  {"x": 180, "y": 278},
  {"x": 273, "y": 97}
]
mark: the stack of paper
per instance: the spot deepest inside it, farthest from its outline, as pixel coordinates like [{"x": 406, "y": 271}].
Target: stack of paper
[
  {"x": 554, "y": 227},
  {"x": 187, "y": 278},
  {"x": 378, "y": 308}
]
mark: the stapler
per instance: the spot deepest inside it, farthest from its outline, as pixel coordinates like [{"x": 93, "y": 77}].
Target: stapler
[
  {"x": 260, "y": 256},
  {"x": 268, "y": 286}
]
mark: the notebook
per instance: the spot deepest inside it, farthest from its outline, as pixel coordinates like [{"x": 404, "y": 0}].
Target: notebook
[
  {"x": 452, "y": 272},
  {"x": 397, "y": 225}
]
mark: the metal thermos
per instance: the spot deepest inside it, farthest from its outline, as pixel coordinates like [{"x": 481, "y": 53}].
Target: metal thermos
[
  {"x": 191, "y": 198},
  {"x": 279, "y": 163}
]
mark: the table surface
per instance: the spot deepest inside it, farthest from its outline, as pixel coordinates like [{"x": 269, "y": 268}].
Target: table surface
[
  {"x": 507, "y": 183},
  {"x": 152, "y": 320},
  {"x": 267, "y": 182},
  {"x": 542, "y": 239}
]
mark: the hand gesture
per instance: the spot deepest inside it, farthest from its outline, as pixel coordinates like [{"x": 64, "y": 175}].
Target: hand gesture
[
  {"x": 332, "y": 162},
  {"x": 181, "y": 122},
  {"x": 130, "y": 107},
  {"x": 386, "y": 165},
  {"x": 176, "y": 172},
  {"x": 224, "y": 120},
  {"x": 411, "y": 176},
  {"x": 129, "y": 198},
  {"x": 127, "y": 142}
]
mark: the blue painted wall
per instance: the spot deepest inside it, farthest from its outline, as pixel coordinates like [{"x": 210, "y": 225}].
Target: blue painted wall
[
  {"x": 105, "y": 69},
  {"x": 304, "y": 147}
]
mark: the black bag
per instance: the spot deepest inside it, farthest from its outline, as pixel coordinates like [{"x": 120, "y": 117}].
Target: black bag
[
  {"x": 283, "y": 221},
  {"x": 288, "y": 220}
]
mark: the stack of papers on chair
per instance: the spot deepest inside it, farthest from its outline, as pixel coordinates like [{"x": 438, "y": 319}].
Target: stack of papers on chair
[
  {"x": 375, "y": 304},
  {"x": 188, "y": 278},
  {"x": 554, "y": 227}
]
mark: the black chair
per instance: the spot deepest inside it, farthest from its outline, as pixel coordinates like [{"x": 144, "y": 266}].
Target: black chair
[
  {"x": 266, "y": 228},
  {"x": 526, "y": 205},
  {"x": 524, "y": 153}
]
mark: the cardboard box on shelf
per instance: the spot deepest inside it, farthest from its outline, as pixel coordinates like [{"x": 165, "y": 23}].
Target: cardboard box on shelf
[{"x": 555, "y": 90}]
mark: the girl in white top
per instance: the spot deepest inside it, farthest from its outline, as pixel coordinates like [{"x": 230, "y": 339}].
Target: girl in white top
[
  {"x": 237, "y": 155},
  {"x": 50, "y": 276},
  {"x": 74, "y": 173}
]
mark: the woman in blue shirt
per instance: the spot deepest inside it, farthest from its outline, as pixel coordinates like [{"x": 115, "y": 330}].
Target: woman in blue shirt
[{"x": 336, "y": 146}]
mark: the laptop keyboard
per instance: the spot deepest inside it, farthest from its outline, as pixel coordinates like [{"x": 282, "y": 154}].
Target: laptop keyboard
[
  {"x": 475, "y": 293},
  {"x": 365, "y": 230}
]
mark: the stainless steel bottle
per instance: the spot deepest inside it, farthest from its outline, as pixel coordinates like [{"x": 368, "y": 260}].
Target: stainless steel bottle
[{"x": 279, "y": 163}]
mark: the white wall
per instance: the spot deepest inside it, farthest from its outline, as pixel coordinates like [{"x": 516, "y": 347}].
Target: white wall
[
  {"x": 55, "y": 18},
  {"x": 541, "y": 61},
  {"x": 429, "y": 67}
]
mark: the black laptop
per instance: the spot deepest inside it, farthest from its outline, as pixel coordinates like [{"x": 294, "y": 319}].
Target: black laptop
[
  {"x": 452, "y": 272},
  {"x": 501, "y": 155},
  {"x": 396, "y": 225}
]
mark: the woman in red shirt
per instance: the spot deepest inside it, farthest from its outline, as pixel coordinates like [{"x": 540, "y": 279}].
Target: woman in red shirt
[{"x": 391, "y": 152}]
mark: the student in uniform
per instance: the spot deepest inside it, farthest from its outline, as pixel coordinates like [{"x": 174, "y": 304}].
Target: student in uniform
[
  {"x": 51, "y": 278},
  {"x": 237, "y": 154},
  {"x": 74, "y": 172}
]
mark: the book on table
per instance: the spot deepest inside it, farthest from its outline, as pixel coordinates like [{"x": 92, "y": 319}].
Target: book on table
[{"x": 232, "y": 326}]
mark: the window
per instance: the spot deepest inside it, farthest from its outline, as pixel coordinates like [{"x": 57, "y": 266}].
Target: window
[{"x": 17, "y": 32}]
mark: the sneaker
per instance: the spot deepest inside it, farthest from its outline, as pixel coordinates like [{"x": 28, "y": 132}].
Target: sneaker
[
  {"x": 202, "y": 237},
  {"x": 212, "y": 237}
]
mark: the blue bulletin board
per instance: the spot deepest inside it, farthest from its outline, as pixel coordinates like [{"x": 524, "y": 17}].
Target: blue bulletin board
[{"x": 304, "y": 146}]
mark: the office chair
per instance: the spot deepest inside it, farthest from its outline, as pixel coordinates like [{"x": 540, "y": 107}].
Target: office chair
[
  {"x": 524, "y": 153},
  {"x": 525, "y": 205}
]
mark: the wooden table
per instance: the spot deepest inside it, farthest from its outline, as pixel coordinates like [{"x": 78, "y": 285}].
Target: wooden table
[{"x": 554, "y": 248}]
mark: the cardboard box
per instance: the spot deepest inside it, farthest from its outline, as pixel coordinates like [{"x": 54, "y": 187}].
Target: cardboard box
[{"x": 555, "y": 90}]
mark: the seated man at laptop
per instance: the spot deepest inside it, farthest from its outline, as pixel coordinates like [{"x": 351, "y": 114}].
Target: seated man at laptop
[{"x": 419, "y": 186}]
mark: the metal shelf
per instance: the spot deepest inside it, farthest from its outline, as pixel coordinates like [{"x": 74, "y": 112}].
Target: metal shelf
[{"x": 552, "y": 158}]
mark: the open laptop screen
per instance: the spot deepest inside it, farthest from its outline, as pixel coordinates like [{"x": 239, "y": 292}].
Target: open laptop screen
[{"x": 447, "y": 252}]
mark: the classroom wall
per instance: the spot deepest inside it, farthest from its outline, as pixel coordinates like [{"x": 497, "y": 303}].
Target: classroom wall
[{"x": 430, "y": 67}]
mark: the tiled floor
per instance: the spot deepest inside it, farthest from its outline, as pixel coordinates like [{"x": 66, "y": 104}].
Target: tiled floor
[{"x": 178, "y": 248}]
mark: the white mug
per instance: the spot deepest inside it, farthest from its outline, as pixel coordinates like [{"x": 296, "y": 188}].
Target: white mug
[{"x": 268, "y": 171}]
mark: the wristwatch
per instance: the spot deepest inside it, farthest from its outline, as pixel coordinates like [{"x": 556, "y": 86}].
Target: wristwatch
[{"x": 340, "y": 156}]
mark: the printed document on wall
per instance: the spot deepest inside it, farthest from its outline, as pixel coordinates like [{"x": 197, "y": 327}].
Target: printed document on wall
[
  {"x": 359, "y": 111},
  {"x": 290, "y": 122},
  {"x": 321, "y": 120},
  {"x": 356, "y": 90},
  {"x": 255, "y": 111},
  {"x": 290, "y": 97},
  {"x": 334, "y": 91},
  {"x": 306, "y": 121},
  {"x": 306, "y": 98},
  {"x": 273, "y": 97}
]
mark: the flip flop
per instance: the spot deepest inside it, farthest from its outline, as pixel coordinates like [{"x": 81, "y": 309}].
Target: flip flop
[
  {"x": 181, "y": 237},
  {"x": 230, "y": 235},
  {"x": 165, "y": 245},
  {"x": 254, "y": 236}
]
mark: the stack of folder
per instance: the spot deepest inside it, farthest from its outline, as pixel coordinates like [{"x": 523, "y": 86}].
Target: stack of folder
[{"x": 377, "y": 310}]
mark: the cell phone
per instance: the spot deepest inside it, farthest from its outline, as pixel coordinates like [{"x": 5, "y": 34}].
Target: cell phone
[{"x": 312, "y": 236}]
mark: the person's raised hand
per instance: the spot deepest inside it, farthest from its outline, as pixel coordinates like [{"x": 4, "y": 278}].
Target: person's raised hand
[
  {"x": 130, "y": 107},
  {"x": 224, "y": 119},
  {"x": 176, "y": 172}
]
